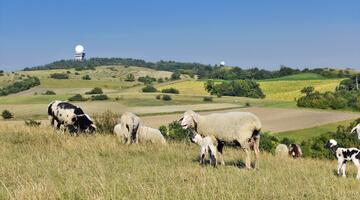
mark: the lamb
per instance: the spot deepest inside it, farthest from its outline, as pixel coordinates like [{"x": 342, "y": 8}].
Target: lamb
[
  {"x": 130, "y": 123},
  {"x": 207, "y": 146},
  {"x": 357, "y": 129},
  {"x": 145, "y": 134},
  {"x": 295, "y": 150},
  {"x": 281, "y": 150},
  {"x": 241, "y": 128},
  {"x": 343, "y": 155}
]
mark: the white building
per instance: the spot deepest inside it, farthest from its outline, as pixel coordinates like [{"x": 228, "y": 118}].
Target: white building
[{"x": 79, "y": 52}]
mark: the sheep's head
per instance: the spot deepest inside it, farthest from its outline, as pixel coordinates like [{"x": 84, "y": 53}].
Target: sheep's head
[
  {"x": 189, "y": 120},
  {"x": 331, "y": 143},
  {"x": 196, "y": 138}
]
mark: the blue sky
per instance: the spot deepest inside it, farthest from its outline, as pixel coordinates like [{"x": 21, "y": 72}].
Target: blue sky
[{"x": 253, "y": 33}]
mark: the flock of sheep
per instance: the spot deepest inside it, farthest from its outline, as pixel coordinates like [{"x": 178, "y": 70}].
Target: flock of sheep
[{"x": 211, "y": 132}]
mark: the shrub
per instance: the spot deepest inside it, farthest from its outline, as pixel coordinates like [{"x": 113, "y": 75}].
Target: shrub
[
  {"x": 77, "y": 97},
  {"x": 149, "y": 88},
  {"x": 86, "y": 77},
  {"x": 49, "y": 92},
  {"x": 77, "y": 73},
  {"x": 68, "y": 72},
  {"x": 105, "y": 122},
  {"x": 160, "y": 80},
  {"x": 163, "y": 130},
  {"x": 242, "y": 88},
  {"x": 99, "y": 97},
  {"x": 95, "y": 90},
  {"x": 208, "y": 99},
  {"x": 130, "y": 78},
  {"x": 32, "y": 123},
  {"x": 247, "y": 104},
  {"x": 158, "y": 96},
  {"x": 19, "y": 86},
  {"x": 6, "y": 114},
  {"x": 146, "y": 79},
  {"x": 176, "y": 132},
  {"x": 176, "y": 75},
  {"x": 59, "y": 76},
  {"x": 166, "y": 97},
  {"x": 268, "y": 142},
  {"x": 170, "y": 90}
]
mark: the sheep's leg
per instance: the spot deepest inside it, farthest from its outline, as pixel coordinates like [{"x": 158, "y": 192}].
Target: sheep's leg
[
  {"x": 220, "y": 151},
  {"x": 212, "y": 155},
  {"x": 357, "y": 164},
  {"x": 340, "y": 163},
  {"x": 344, "y": 169},
  {"x": 248, "y": 158},
  {"x": 257, "y": 153}
]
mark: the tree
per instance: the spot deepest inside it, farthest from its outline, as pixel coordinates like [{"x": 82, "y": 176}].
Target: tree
[
  {"x": 86, "y": 77},
  {"x": 175, "y": 76},
  {"x": 307, "y": 90}
]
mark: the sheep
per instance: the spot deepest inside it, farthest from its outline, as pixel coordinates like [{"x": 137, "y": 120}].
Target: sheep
[
  {"x": 281, "y": 150},
  {"x": 207, "y": 145},
  {"x": 357, "y": 129},
  {"x": 295, "y": 150},
  {"x": 343, "y": 155},
  {"x": 241, "y": 128},
  {"x": 145, "y": 134},
  {"x": 130, "y": 123}
]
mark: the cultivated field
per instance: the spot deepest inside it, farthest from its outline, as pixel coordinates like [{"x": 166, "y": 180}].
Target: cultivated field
[{"x": 39, "y": 164}]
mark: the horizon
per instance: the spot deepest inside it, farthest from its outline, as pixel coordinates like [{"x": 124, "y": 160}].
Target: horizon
[{"x": 246, "y": 34}]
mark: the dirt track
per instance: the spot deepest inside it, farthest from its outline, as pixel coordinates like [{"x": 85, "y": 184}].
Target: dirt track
[{"x": 273, "y": 119}]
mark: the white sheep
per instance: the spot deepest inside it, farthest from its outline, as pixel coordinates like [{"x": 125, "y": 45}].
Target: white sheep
[
  {"x": 241, "y": 128},
  {"x": 282, "y": 150},
  {"x": 357, "y": 129},
  {"x": 145, "y": 134},
  {"x": 130, "y": 123},
  {"x": 207, "y": 145}
]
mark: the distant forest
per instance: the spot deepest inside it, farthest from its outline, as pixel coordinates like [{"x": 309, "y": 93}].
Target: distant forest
[{"x": 191, "y": 69}]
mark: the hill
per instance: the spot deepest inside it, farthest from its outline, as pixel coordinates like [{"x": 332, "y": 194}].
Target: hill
[{"x": 300, "y": 76}]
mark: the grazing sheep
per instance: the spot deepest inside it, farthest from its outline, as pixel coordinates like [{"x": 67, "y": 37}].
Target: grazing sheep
[
  {"x": 130, "y": 123},
  {"x": 145, "y": 134},
  {"x": 281, "y": 150},
  {"x": 207, "y": 145},
  {"x": 295, "y": 150},
  {"x": 357, "y": 129},
  {"x": 343, "y": 155},
  {"x": 242, "y": 128}
]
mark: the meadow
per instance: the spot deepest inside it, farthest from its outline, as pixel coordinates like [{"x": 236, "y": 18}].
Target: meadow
[{"x": 37, "y": 163}]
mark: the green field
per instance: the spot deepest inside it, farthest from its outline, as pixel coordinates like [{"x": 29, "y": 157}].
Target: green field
[
  {"x": 298, "y": 77},
  {"x": 39, "y": 164},
  {"x": 304, "y": 134}
]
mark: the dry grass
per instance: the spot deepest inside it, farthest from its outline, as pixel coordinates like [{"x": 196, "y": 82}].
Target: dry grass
[{"x": 39, "y": 164}]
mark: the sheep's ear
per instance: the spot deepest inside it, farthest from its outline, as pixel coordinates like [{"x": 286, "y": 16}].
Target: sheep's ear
[{"x": 195, "y": 118}]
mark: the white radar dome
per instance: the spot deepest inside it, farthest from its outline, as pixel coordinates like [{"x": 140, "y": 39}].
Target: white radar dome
[
  {"x": 222, "y": 63},
  {"x": 79, "y": 49}
]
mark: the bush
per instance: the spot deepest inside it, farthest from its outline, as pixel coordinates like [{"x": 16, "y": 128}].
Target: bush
[
  {"x": 130, "y": 78},
  {"x": 106, "y": 122},
  {"x": 158, "y": 96},
  {"x": 99, "y": 97},
  {"x": 268, "y": 142},
  {"x": 95, "y": 90},
  {"x": 242, "y": 88},
  {"x": 170, "y": 90},
  {"x": 146, "y": 79},
  {"x": 163, "y": 130},
  {"x": 68, "y": 72},
  {"x": 59, "y": 76},
  {"x": 77, "y": 73},
  {"x": 32, "y": 123},
  {"x": 175, "y": 76},
  {"x": 6, "y": 114},
  {"x": 176, "y": 132},
  {"x": 77, "y": 97},
  {"x": 247, "y": 104},
  {"x": 166, "y": 97},
  {"x": 208, "y": 99},
  {"x": 86, "y": 77},
  {"x": 149, "y": 88},
  {"x": 160, "y": 80},
  {"x": 19, "y": 86},
  {"x": 49, "y": 92}
]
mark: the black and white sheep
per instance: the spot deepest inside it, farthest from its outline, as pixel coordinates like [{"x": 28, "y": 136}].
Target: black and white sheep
[
  {"x": 343, "y": 155},
  {"x": 295, "y": 150},
  {"x": 208, "y": 145},
  {"x": 72, "y": 117},
  {"x": 130, "y": 124},
  {"x": 145, "y": 134},
  {"x": 242, "y": 128}
]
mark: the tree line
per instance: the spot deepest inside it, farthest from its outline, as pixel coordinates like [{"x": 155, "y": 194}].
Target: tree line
[{"x": 201, "y": 70}]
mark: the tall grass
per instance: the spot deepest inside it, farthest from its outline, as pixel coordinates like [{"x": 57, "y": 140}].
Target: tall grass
[{"x": 37, "y": 163}]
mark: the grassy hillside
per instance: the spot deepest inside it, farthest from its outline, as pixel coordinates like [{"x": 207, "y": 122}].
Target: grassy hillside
[
  {"x": 39, "y": 164},
  {"x": 301, "y": 76}
]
